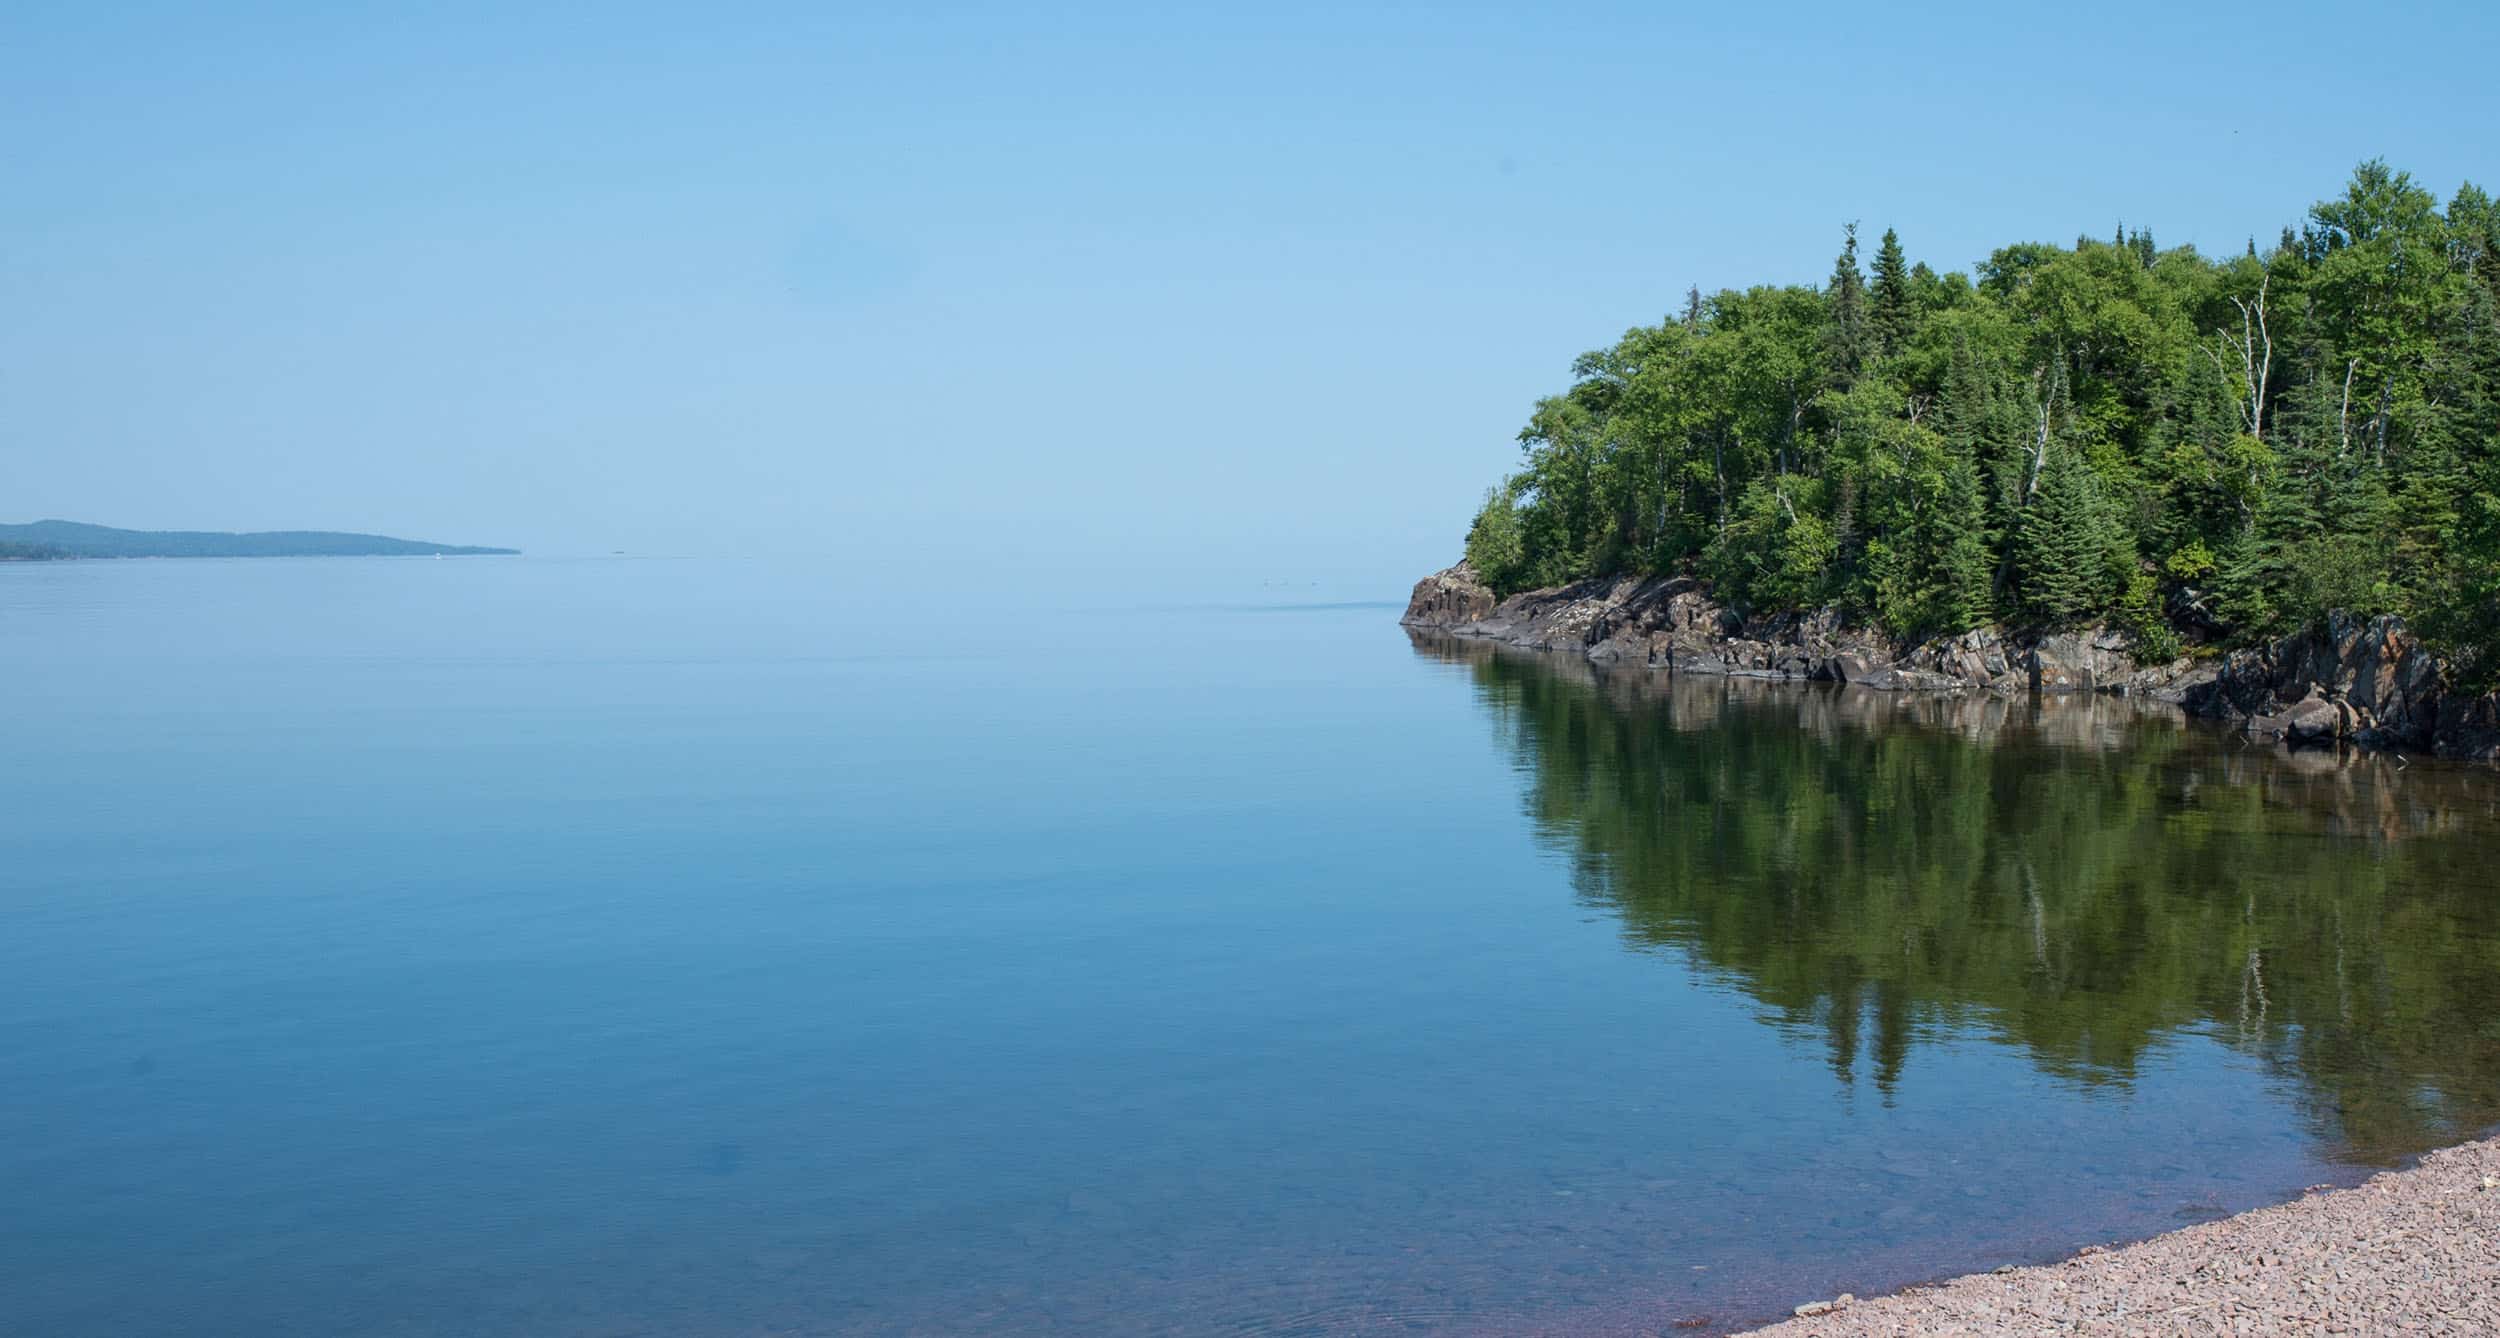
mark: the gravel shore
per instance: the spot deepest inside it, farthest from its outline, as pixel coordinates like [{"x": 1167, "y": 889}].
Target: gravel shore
[{"x": 2413, "y": 1251}]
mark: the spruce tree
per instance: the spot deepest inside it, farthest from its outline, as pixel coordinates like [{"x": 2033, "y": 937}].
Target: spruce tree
[
  {"x": 2061, "y": 546},
  {"x": 2069, "y": 550},
  {"x": 1893, "y": 316},
  {"x": 1965, "y": 570},
  {"x": 1962, "y": 409},
  {"x": 1844, "y": 331}
]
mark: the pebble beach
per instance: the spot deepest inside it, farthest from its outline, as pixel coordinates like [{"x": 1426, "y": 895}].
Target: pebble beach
[{"x": 2410, "y": 1251}]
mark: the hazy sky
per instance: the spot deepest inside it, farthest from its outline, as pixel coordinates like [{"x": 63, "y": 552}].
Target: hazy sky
[{"x": 1035, "y": 286}]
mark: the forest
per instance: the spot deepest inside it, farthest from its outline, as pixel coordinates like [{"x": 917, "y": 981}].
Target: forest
[{"x": 2198, "y": 450}]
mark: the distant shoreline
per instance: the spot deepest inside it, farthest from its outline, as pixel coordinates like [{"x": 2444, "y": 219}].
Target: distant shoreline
[{"x": 65, "y": 540}]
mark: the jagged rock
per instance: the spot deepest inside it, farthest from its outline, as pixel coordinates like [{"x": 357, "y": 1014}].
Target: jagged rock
[
  {"x": 2062, "y": 664},
  {"x": 2096, "y": 659},
  {"x": 2369, "y": 681},
  {"x": 2384, "y": 688},
  {"x": 1449, "y": 598},
  {"x": 2187, "y": 679}
]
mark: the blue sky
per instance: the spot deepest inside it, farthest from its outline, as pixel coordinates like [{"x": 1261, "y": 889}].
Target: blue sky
[{"x": 1260, "y": 296}]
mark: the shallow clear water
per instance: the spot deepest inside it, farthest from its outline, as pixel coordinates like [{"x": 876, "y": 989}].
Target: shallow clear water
[{"x": 524, "y": 947}]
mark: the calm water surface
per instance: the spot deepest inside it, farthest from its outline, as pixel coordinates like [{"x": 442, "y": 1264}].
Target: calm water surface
[{"x": 529, "y": 947}]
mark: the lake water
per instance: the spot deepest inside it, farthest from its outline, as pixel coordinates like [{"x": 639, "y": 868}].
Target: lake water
[{"x": 532, "y": 947}]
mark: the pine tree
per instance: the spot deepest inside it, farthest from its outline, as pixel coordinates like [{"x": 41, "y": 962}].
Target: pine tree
[
  {"x": 1692, "y": 308},
  {"x": 1893, "y": 317}
]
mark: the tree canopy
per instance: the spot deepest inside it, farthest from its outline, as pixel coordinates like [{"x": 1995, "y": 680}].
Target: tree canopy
[{"x": 2107, "y": 432}]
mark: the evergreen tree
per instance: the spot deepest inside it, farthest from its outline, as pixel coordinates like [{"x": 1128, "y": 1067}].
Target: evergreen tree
[
  {"x": 1803, "y": 445},
  {"x": 1892, "y": 316},
  {"x": 2065, "y": 540},
  {"x": 1962, "y": 408},
  {"x": 1967, "y": 566},
  {"x": 1846, "y": 335}
]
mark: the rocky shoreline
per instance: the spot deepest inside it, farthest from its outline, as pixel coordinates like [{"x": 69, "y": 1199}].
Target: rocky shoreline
[{"x": 2368, "y": 684}]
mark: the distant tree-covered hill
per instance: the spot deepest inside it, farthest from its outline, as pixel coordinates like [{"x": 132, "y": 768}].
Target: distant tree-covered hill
[
  {"x": 2222, "y": 445},
  {"x": 66, "y": 538}
]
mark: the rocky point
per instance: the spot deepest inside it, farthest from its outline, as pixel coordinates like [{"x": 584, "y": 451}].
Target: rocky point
[{"x": 2366, "y": 683}]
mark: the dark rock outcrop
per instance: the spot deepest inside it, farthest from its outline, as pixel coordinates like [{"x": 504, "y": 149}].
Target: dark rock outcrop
[
  {"x": 2368, "y": 683},
  {"x": 1673, "y": 623},
  {"x": 1448, "y": 599}
]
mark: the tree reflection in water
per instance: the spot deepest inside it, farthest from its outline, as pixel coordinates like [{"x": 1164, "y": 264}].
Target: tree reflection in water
[{"x": 2078, "y": 877}]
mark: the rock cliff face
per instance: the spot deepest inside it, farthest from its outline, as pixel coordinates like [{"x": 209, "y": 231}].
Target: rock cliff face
[{"x": 2368, "y": 683}]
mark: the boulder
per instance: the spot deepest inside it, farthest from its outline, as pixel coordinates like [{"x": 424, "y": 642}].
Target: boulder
[
  {"x": 2066, "y": 662},
  {"x": 2316, "y": 720},
  {"x": 1448, "y": 598}
]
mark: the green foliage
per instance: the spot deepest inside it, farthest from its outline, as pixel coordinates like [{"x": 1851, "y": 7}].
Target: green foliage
[
  {"x": 1895, "y": 312},
  {"x": 2071, "y": 556},
  {"x": 2072, "y": 435},
  {"x": 1848, "y": 337},
  {"x": 1497, "y": 543},
  {"x": 1965, "y": 572},
  {"x": 1772, "y": 555},
  {"x": 2139, "y": 611}
]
